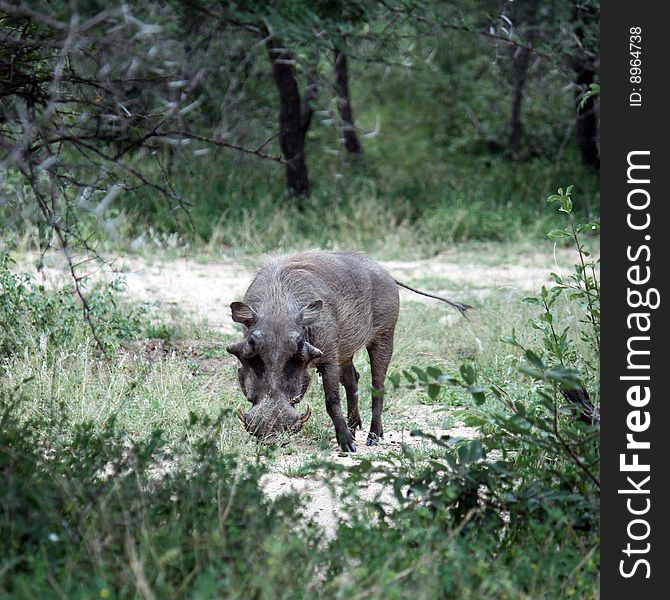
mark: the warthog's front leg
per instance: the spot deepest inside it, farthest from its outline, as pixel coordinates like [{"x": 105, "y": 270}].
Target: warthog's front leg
[{"x": 330, "y": 375}]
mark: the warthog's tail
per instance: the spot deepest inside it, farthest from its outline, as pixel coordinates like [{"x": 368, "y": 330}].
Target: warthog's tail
[{"x": 460, "y": 307}]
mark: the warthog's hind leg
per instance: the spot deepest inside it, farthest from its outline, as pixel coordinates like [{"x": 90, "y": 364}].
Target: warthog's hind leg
[{"x": 380, "y": 352}]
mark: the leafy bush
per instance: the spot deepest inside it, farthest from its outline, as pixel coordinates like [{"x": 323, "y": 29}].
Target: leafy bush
[
  {"x": 534, "y": 474},
  {"x": 32, "y": 316}
]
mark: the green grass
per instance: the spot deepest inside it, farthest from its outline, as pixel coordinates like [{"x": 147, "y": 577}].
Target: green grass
[
  {"x": 158, "y": 390},
  {"x": 234, "y": 210},
  {"x": 144, "y": 392}
]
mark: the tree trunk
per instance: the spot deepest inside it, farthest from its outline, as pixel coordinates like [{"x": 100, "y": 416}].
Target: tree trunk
[
  {"x": 587, "y": 120},
  {"x": 520, "y": 62},
  {"x": 583, "y": 65},
  {"x": 293, "y": 121},
  {"x": 349, "y": 137},
  {"x": 524, "y": 15}
]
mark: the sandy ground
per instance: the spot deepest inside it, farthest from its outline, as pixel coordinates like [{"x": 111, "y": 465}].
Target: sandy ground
[
  {"x": 202, "y": 292},
  {"x": 325, "y": 503}
]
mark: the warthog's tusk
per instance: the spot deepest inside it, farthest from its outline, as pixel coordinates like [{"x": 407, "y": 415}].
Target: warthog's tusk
[
  {"x": 304, "y": 418},
  {"x": 240, "y": 416}
]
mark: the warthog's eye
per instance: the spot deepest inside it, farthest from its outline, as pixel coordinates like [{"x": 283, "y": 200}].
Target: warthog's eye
[
  {"x": 256, "y": 363},
  {"x": 292, "y": 365}
]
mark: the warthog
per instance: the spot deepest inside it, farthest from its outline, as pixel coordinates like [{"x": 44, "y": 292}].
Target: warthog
[{"x": 315, "y": 309}]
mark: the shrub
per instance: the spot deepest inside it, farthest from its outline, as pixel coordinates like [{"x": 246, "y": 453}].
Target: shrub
[
  {"x": 106, "y": 517},
  {"x": 32, "y": 316},
  {"x": 525, "y": 496}
]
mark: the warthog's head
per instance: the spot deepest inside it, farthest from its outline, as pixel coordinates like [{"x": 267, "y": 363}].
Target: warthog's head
[{"x": 273, "y": 374}]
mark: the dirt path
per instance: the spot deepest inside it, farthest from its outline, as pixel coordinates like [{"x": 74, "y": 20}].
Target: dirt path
[{"x": 325, "y": 503}]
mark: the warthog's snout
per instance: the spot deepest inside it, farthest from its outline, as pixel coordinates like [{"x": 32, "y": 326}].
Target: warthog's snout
[{"x": 271, "y": 420}]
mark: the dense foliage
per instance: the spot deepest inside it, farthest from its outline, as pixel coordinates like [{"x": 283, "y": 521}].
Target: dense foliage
[
  {"x": 167, "y": 117},
  {"x": 36, "y": 319}
]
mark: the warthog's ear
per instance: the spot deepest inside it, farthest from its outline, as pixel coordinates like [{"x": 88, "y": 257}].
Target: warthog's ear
[
  {"x": 242, "y": 313},
  {"x": 310, "y": 312}
]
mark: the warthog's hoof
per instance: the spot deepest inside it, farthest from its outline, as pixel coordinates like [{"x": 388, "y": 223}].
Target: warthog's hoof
[
  {"x": 373, "y": 439},
  {"x": 347, "y": 442}
]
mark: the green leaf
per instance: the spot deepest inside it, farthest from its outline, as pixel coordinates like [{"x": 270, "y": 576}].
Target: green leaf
[
  {"x": 532, "y": 372},
  {"x": 478, "y": 393},
  {"x": 548, "y": 317},
  {"x": 434, "y": 372},
  {"x": 557, "y": 234},
  {"x": 421, "y": 374},
  {"x": 517, "y": 424},
  {"x": 468, "y": 373},
  {"x": 512, "y": 339},
  {"x": 479, "y": 398},
  {"x": 588, "y": 227},
  {"x": 535, "y": 360},
  {"x": 567, "y": 378},
  {"x": 566, "y": 204}
]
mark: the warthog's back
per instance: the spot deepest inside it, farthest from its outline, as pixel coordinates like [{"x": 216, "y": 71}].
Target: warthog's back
[{"x": 360, "y": 298}]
